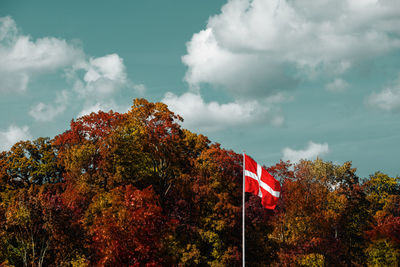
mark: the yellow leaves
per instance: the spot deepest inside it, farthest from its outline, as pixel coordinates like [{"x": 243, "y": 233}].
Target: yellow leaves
[
  {"x": 311, "y": 260},
  {"x": 79, "y": 261},
  {"x": 80, "y": 159},
  {"x": 18, "y": 215},
  {"x": 380, "y": 188},
  {"x": 213, "y": 239},
  {"x": 31, "y": 162},
  {"x": 191, "y": 255},
  {"x": 298, "y": 229},
  {"x": 345, "y": 168},
  {"x": 336, "y": 205},
  {"x": 382, "y": 252},
  {"x": 193, "y": 144}
]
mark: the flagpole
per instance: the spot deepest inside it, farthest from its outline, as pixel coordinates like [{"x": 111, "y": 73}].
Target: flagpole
[{"x": 243, "y": 215}]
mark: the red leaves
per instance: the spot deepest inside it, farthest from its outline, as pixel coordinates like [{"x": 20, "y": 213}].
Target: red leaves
[
  {"x": 130, "y": 229},
  {"x": 387, "y": 227},
  {"x": 91, "y": 128},
  {"x": 136, "y": 189}
]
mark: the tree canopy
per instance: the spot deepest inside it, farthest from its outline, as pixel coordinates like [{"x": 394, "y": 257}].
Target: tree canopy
[{"x": 136, "y": 189}]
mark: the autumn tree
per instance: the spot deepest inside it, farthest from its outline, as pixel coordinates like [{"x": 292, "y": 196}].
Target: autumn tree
[
  {"x": 30, "y": 162},
  {"x": 36, "y": 229},
  {"x": 136, "y": 189},
  {"x": 321, "y": 208},
  {"x": 128, "y": 228},
  {"x": 161, "y": 140},
  {"x": 384, "y": 246}
]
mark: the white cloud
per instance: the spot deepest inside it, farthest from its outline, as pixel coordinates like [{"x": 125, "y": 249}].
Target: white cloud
[
  {"x": 47, "y": 112},
  {"x": 103, "y": 106},
  {"x": 92, "y": 79},
  {"x": 23, "y": 58},
  {"x": 95, "y": 108},
  {"x": 388, "y": 99},
  {"x": 13, "y": 135},
  {"x": 212, "y": 116},
  {"x": 254, "y": 48},
  {"x": 103, "y": 77},
  {"x": 246, "y": 75},
  {"x": 139, "y": 88},
  {"x": 338, "y": 85},
  {"x": 109, "y": 67},
  {"x": 311, "y": 152}
]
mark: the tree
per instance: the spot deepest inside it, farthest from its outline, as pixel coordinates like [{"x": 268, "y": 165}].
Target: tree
[
  {"x": 36, "y": 228},
  {"x": 321, "y": 215},
  {"x": 384, "y": 235},
  {"x": 138, "y": 189},
  {"x": 382, "y": 252},
  {"x": 162, "y": 136},
  {"x": 128, "y": 228},
  {"x": 31, "y": 162}
]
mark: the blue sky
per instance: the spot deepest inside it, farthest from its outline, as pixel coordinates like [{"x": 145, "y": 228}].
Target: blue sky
[{"x": 279, "y": 79}]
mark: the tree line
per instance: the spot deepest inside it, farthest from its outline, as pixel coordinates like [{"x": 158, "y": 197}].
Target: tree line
[{"x": 136, "y": 189}]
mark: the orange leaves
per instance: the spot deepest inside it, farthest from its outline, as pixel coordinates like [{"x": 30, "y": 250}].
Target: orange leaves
[
  {"x": 322, "y": 211},
  {"x": 136, "y": 189},
  {"x": 383, "y": 193},
  {"x": 129, "y": 229}
]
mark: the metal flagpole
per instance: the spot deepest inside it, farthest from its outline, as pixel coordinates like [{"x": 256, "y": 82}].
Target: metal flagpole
[{"x": 243, "y": 215}]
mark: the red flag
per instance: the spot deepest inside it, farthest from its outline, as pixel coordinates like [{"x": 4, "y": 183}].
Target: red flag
[{"x": 259, "y": 182}]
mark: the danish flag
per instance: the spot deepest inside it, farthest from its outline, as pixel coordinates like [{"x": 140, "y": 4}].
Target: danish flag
[{"x": 259, "y": 182}]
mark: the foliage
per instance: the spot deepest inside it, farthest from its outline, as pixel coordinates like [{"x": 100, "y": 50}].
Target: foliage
[
  {"x": 30, "y": 162},
  {"x": 127, "y": 228},
  {"x": 382, "y": 253},
  {"x": 136, "y": 189},
  {"x": 36, "y": 228}
]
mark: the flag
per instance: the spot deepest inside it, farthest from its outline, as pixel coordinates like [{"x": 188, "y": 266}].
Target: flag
[{"x": 259, "y": 182}]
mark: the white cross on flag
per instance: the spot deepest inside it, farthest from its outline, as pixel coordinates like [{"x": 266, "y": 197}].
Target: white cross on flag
[{"x": 259, "y": 182}]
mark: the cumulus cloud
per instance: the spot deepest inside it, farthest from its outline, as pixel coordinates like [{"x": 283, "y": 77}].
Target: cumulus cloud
[
  {"x": 338, "y": 85},
  {"x": 23, "y": 58},
  {"x": 311, "y": 152},
  {"x": 103, "y": 106},
  {"x": 47, "y": 112},
  {"x": 139, "y": 88},
  {"x": 12, "y": 135},
  {"x": 255, "y": 47},
  {"x": 103, "y": 76},
  {"x": 246, "y": 75},
  {"x": 212, "y": 116},
  {"x": 388, "y": 99},
  {"x": 95, "y": 108},
  {"x": 92, "y": 79}
]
